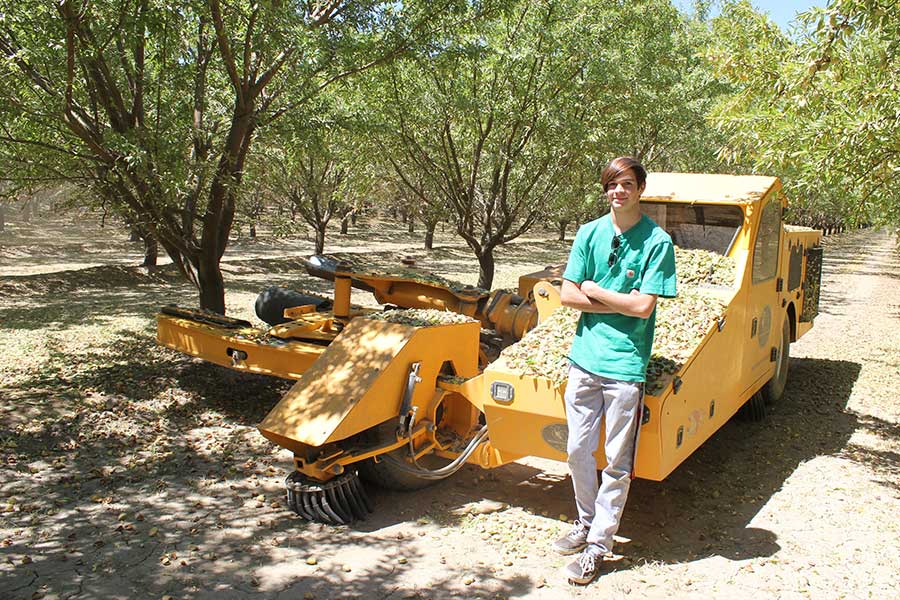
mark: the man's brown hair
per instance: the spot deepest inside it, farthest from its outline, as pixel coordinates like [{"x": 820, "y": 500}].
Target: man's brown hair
[{"x": 617, "y": 166}]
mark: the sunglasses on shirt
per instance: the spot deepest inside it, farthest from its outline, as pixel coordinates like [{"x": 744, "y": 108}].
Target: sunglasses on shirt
[{"x": 613, "y": 255}]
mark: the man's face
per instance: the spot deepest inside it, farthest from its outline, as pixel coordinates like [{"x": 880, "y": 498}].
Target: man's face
[{"x": 623, "y": 192}]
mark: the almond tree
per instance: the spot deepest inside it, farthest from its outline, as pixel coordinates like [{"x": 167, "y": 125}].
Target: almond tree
[
  {"x": 311, "y": 171},
  {"x": 483, "y": 122},
  {"x": 509, "y": 122}
]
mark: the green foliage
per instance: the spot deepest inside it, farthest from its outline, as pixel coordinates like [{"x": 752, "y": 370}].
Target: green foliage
[
  {"x": 821, "y": 109},
  {"x": 312, "y": 160},
  {"x": 507, "y": 120},
  {"x": 653, "y": 101},
  {"x": 477, "y": 120},
  {"x": 154, "y": 106},
  {"x": 496, "y": 113}
]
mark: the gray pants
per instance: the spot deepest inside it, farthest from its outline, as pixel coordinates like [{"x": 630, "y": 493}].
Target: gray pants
[{"x": 590, "y": 398}]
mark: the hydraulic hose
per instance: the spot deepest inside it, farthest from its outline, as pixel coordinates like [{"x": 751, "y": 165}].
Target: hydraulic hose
[{"x": 446, "y": 470}]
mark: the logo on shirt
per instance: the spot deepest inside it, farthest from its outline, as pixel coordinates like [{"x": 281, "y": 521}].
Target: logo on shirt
[{"x": 629, "y": 273}]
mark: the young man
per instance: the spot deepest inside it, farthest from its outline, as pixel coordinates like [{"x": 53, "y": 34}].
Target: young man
[{"x": 618, "y": 266}]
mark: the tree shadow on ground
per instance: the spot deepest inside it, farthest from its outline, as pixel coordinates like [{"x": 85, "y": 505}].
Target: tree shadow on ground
[
  {"x": 883, "y": 462},
  {"x": 188, "y": 530},
  {"x": 134, "y": 368},
  {"x": 131, "y": 490},
  {"x": 544, "y": 252},
  {"x": 91, "y": 307}
]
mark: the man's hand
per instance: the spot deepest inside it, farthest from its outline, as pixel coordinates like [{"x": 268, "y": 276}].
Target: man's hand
[{"x": 589, "y": 288}]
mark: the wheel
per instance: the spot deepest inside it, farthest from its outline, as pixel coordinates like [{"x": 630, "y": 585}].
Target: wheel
[
  {"x": 384, "y": 474},
  {"x": 754, "y": 409},
  {"x": 271, "y": 302},
  {"x": 773, "y": 390}
]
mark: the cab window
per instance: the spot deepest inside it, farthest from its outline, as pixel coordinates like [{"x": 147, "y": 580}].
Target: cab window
[
  {"x": 765, "y": 251},
  {"x": 697, "y": 226}
]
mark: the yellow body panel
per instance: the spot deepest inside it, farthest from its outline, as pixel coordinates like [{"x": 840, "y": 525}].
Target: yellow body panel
[
  {"x": 287, "y": 359},
  {"x": 711, "y": 391},
  {"x": 360, "y": 379},
  {"x": 534, "y": 422},
  {"x": 708, "y": 188}
]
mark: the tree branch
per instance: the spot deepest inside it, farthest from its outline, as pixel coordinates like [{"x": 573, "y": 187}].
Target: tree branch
[{"x": 225, "y": 49}]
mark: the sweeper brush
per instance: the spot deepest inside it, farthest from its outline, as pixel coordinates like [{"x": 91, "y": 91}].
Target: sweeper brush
[{"x": 338, "y": 501}]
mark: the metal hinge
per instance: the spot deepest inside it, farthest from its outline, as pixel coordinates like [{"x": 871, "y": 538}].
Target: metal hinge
[{"x": 407, "y": 414}]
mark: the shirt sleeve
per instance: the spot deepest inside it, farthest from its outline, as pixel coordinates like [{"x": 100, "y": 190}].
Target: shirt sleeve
[
  {"x": 659, "y": 272},
  {"x": 575, "y": 268}
]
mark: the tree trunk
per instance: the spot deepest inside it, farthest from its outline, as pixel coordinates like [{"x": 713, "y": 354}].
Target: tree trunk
[
  {"x": 486, "y": 269},
  {"x": 562, "y": 230},
  {"x": 151, "y": 251},
  {"x": 2, "y": 215},
  {"x": 252, "y": 231},
  {"x": 429, "y": 235},
  {"x": 345, "y": 224},
  {"x": 320, "y": 239},
  {"x": 135, "y": 235},
  {"x": 219, "y": 216},
  {"x": 212, "y": 286},
  {"x": 353, "y": 218},
  {"x": 410, "y": 224}
]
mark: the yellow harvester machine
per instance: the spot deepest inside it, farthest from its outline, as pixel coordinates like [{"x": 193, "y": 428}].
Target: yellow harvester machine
[{"x": 403, "y": 405}]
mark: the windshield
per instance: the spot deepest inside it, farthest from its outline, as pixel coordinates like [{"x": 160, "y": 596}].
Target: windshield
[{"x": 711, "y": 227}]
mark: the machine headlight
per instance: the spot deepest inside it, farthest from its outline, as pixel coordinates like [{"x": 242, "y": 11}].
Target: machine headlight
[{"x": 502, "y": 392}]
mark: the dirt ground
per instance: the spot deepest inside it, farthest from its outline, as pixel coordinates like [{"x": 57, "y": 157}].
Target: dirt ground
[{"x": 129, "y": 471}]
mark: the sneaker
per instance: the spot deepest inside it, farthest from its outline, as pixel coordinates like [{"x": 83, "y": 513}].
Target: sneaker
[
  {"x": 583, "y": 570},
  {"x": 574, "y": 541}
]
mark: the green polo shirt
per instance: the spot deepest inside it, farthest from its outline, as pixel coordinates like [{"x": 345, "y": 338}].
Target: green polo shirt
[{"x": 615, "y": 345}]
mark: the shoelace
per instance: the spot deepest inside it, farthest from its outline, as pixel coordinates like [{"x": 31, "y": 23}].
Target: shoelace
[
  {"x": 588, "y": 562},
  {"x": 577, "y": 530}
]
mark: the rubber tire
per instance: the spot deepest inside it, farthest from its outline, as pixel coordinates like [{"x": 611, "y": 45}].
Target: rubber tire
[
  {"x": 385, "y": 475},
  {"x": 271, "y": 302},
  {"x": 754, "y": 409},
  {"x": 773, "y": 389}
]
